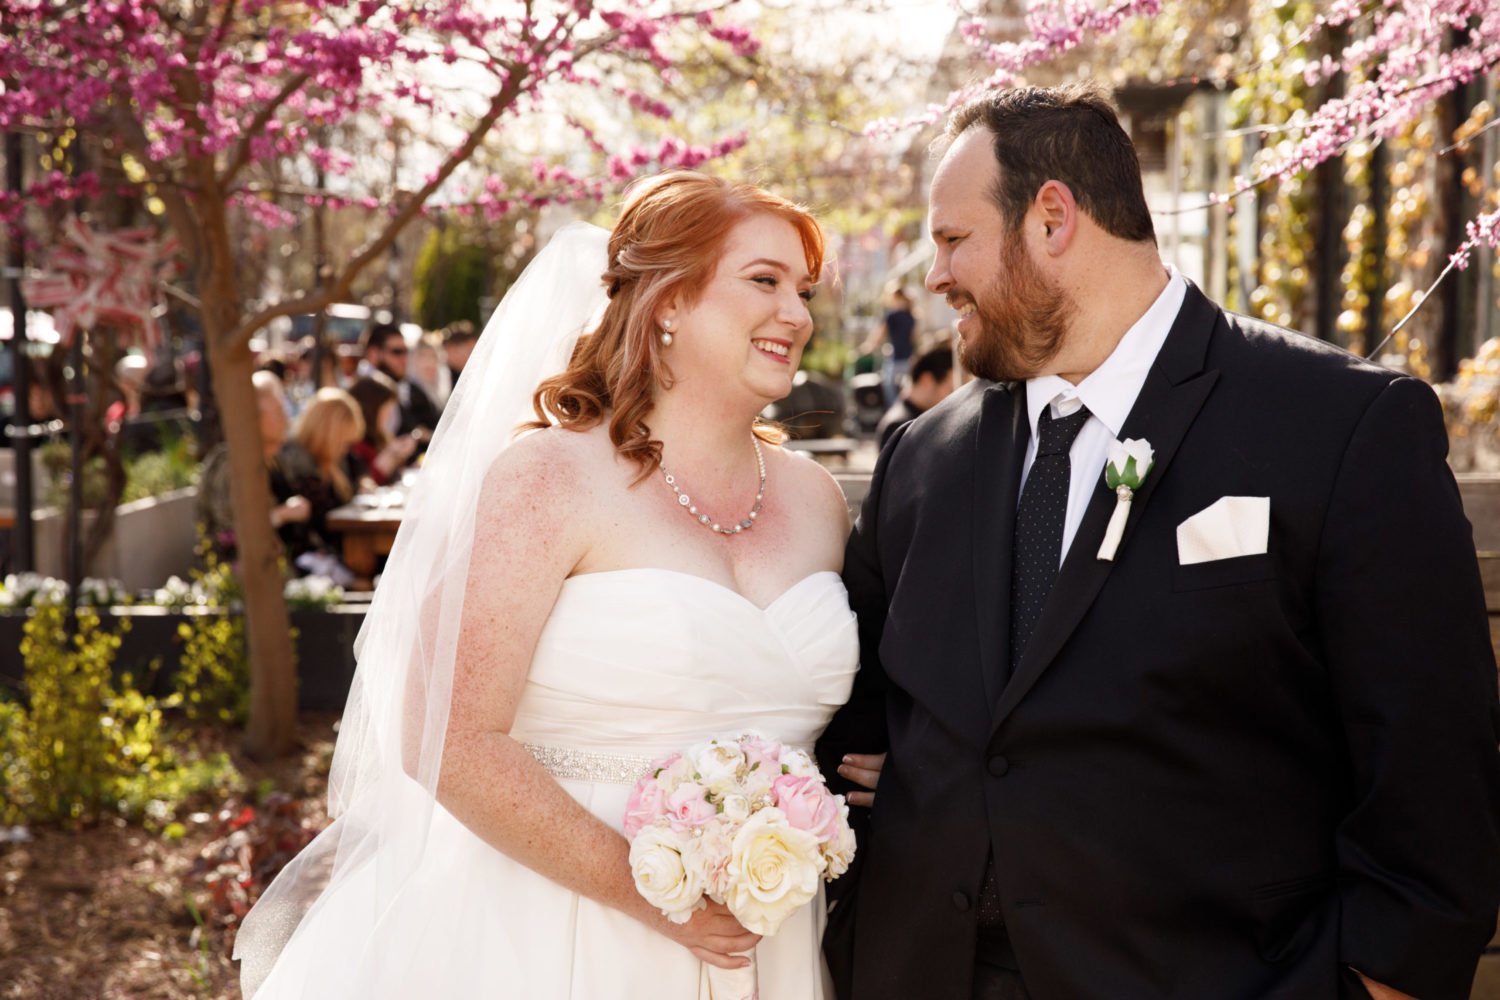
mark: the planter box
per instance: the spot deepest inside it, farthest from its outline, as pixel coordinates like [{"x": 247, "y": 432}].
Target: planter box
[
  {"x": 151, "y": 650},
  {"x": 152, "y": 540}
]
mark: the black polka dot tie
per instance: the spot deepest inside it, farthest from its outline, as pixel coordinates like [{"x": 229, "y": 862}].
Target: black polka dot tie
[{"x": 1039, "y": 525}]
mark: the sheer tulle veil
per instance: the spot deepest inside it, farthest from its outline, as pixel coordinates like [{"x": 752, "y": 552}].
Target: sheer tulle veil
[{"x": 390, "y": 744}]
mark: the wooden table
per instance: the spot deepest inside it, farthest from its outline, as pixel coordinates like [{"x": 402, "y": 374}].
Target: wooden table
[{"x": 368, "y": 533}]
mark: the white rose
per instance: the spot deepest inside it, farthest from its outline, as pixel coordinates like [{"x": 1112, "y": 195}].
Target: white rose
[
  {"x": 797, "y": 762},
  {"x": 719, "y": 766},
  {"x": 774, "y": 868},
  {"x": 840, "y": 852},
  {"x": 1121, "y": 452},
  {"x": 662, "y": 877},
  {"x": 736, "y": 807}
]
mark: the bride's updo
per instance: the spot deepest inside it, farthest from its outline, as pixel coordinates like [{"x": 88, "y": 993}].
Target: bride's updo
[{"x": 667, "y": 242}]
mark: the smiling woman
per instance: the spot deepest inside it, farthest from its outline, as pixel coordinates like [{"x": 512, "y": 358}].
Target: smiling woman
[
  {"x": 671, "y": 256},
  {"x": 560, "y": 610}
]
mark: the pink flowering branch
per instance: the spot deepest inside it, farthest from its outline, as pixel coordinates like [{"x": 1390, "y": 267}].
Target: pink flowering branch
[
  {"x": 1482, "y": 229},
  {"x": 1056, "y": 27},
  {"x": 243, "y": 151}
]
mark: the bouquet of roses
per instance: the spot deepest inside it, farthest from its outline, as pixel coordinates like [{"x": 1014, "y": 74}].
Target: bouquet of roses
[{"x": 745, "y": 822}]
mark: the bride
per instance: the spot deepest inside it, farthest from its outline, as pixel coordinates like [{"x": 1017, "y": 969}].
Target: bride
[{"x": 644, "y": 570}]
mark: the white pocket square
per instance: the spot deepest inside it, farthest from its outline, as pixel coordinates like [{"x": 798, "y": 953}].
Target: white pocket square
[{"x": 1229, "y": 527}]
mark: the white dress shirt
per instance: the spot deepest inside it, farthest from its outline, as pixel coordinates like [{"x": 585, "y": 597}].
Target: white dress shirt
[{"x": 1109, "y": 392}]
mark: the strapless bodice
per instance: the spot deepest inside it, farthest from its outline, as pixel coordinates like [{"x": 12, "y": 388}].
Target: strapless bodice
[{"x": 646, "y": 662}]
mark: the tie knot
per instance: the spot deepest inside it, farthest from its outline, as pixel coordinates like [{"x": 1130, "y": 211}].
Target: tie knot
[{"x": 1055, "y": 436}]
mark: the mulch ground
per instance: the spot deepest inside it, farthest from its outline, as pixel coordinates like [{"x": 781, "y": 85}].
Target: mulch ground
[{"x": 117, "y": 912}]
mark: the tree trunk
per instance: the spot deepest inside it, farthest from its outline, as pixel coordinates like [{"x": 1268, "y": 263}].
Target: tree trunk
[{"x": 272, "y": 727}]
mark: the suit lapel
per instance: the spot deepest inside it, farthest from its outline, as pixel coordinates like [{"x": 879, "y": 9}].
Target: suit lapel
[
  {"x": 999, "y": 450},
  {"x": 1175, "y": 390}
]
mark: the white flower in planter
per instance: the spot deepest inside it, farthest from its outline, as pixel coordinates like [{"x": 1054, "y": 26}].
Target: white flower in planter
[
  {"x": 313, "y": 591},
  {"x": 100, "y": 593},
  {"x": 175, "y": 593}
]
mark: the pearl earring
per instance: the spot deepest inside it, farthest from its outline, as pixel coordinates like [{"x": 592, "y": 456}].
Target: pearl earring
[{"x": 666, "y": 333}]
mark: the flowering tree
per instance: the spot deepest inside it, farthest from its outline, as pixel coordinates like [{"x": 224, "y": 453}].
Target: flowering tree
[
  {"x": 1324, "y": 83},
  {"x": 220, "y": 113}
]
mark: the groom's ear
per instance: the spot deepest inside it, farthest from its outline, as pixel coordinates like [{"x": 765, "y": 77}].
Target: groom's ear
[{"x": 1055, "y": 214}]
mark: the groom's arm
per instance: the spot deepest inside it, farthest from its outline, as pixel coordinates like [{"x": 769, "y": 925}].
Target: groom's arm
[
  {"x": 1401, "y": 617},
  {"x": 859, "y": 727}
]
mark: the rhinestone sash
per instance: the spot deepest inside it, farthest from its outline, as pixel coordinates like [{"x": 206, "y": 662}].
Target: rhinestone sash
[{"x": 580, "y": 765}]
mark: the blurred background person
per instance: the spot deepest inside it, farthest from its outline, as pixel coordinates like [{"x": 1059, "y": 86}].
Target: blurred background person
[
  {"x": 130, "y": 379},
  {"x": 288, "y": 507},
  {"x": 428, "y": 370},
  {"x": 896, "y": 338},
  {"x": 383, "y": 451},
  {"x": 316, "y": 464},
  {"x": 929, "y": 381},
  {"x": 42, "y": 407},
  {"x": 387, "y": 352},
  {"x": 458, "y": 343}
]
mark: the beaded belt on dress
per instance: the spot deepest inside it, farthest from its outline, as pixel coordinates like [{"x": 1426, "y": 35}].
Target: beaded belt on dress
[{"x": 581, "y": 765}]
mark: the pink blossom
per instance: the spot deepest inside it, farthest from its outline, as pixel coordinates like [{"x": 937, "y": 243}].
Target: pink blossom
[
  {"x": 645, "y": 806},
  {"x": 761, "y": 751},
  {"x": 688, "y": 806},
  {"x": 808, "y": 805}
]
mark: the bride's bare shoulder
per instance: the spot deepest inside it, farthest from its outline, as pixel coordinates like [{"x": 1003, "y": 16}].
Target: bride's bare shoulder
[
  {"x": 813, "y": 486},
  {"x": 552, "y": 459}
]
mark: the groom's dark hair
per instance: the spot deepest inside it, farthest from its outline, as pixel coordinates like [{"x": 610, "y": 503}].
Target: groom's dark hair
[{"x": 1069, "y": 134}]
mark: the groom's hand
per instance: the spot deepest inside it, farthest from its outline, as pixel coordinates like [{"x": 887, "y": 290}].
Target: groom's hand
[{"x": 864, "y": 770}]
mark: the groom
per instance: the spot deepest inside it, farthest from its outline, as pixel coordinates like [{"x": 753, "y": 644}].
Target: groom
[{"x": 1251, "y": 755}]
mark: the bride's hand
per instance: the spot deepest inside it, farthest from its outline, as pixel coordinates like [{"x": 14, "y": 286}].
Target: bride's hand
[
  {"x": 864, "y": 770},
  {"x": 715, "y": 936}
]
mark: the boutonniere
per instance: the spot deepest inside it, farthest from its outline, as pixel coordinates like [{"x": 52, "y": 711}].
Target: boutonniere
[{"x": 1129, "y": 463}]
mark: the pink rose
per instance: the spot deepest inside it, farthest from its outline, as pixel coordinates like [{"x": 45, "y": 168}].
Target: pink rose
[
  {"x": 808, "y": 805},
  {"x": 645, "y": 806},
  {"x": 688, "y": 806},
  {"x": 759, "y": 750}
]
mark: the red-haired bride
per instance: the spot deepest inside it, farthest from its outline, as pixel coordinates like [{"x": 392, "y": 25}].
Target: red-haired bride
[{"x": 640, "y": 568}]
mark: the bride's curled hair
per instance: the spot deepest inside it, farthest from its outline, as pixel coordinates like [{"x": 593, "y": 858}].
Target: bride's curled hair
[{"x": 668, "y": 242}]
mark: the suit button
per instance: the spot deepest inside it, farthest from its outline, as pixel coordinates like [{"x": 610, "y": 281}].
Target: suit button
[
  {"x": 961, "y": 901},
  {"x": 999, "y": 766}
]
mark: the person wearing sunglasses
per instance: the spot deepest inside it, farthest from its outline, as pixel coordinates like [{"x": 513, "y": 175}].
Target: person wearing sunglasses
[{"x": 387, "y": 352}]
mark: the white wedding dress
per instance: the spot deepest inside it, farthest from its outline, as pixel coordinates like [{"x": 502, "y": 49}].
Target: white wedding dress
[{"x": 632, "y": 665}]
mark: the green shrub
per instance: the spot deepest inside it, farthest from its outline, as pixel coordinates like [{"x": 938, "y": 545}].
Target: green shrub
[
  {"x": 153, "y": 473},
  {"x": 81, "y": 745},
  {"x": 213, "y": 676}
]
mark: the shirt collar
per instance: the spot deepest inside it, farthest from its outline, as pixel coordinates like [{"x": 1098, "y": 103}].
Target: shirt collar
[{"x": 1109, "y": 391}]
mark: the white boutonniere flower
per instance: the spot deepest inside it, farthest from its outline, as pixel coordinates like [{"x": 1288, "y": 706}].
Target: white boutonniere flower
[{"x": 1129, "y": 463}]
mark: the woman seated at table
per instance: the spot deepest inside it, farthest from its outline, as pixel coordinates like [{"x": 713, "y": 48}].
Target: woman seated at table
[
  {"x": 289, "y": 510},
  {"x": 381, "y": 454},
  {"x": 316, "y": 464}
]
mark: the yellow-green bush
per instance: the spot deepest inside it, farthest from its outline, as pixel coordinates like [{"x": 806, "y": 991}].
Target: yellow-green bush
[
  {"x": 213, "y": 675},
  {"x": 80, "y": 745}
]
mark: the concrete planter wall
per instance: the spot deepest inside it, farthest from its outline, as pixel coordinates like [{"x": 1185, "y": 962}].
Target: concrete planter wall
[
  {"x": 152, "y": 540},
  {"x": 151, "y": 650}
]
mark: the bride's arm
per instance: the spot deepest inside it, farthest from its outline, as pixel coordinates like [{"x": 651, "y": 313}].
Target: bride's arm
[{"x": 533, "y": 524}]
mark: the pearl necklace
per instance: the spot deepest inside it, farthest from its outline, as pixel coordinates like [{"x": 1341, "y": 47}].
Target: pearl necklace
[{"x": 686, "y": 502}]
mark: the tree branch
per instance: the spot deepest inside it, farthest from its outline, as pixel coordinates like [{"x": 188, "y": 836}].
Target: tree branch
[
  {"x": 502, "y": 102},
  {"x": 241, "y": 155}
]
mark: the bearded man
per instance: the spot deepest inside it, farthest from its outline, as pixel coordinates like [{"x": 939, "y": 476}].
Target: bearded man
[{"x": 1213, "y": 716}]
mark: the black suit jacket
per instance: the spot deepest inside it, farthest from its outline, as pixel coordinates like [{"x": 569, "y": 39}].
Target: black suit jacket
[{"x": 1211, "y": 781}]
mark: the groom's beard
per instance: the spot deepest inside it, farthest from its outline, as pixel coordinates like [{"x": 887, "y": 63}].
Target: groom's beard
[{"x": 1023, "y": 319}]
